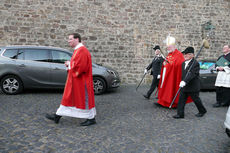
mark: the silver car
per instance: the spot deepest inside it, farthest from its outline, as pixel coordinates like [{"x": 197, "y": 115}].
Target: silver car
[{"x": 26, "y": 67}]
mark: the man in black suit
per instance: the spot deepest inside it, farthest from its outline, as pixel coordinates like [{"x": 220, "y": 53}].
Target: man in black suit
[
  {"x": 190, "y": 85},
  {"x": 222, "y": 80},
  {"x": 155, "y": 67}
]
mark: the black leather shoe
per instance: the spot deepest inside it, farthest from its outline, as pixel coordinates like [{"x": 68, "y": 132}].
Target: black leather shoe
[
  {"x": 157, "y": 104},
  {"x": 88, "y": 122},
  {"x": 53, "y": 117},
  {"x": 84, "y": 122},
  {"x": 178, "y": 116},
  {"x": 224, "y": 105},
  {"x": 147, "y": 97},
  {"x": 216, "y": 105},
  {"x": 200, "y": 114},
  {"x": 155, "y": 98}
]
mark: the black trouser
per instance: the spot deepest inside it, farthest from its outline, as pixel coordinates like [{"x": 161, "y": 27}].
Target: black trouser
[
  {"x": 222, "y": 95},
  {"x": 154, "y": 84},
  {"x": 196, "y": 99}
]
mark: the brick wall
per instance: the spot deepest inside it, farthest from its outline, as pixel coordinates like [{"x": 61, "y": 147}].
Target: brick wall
[{"x": 119, "y": 33}]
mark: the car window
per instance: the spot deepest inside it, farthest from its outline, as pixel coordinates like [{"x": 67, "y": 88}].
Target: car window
[
  {"x": 60, "y": 57},
  {"x": 10, "y": 53},
  {"x": 206, "y": 65},
  {"x": 40, "y": 55}
]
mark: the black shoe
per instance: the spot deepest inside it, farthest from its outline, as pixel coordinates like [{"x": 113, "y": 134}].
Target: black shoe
[
  {"x": 84, "y": 122},
  {"x": 216, "y": 105},
  {"x": 224, "y": 105},
  {"x": 200, "y": 114},
  {"x": 88, "y": 122},
  {"x": 157, "y": 104},
  {"x": 178, "y": 116},
  {"x": 53, "y": 117},
  {"x": 147, "y": 97},
  {"x": 155, "y": 98}
]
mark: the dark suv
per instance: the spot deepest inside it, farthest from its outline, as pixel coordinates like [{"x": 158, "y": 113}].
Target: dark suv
[{"x": 24, "y": 67}]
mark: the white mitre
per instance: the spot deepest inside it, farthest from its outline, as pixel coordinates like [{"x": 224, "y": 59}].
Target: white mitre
[{"x": 170, "y": 40}]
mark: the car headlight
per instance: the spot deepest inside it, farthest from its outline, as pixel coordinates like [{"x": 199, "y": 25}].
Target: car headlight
[{"x": 112, "y": 72}]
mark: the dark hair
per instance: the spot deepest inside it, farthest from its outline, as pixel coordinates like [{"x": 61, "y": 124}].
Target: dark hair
[{"x": 76, "y": 35}]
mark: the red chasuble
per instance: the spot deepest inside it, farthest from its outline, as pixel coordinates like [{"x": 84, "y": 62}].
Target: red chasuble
[
  {"x": 78, "y": 97},
  {"x": 170, "y": 79}
]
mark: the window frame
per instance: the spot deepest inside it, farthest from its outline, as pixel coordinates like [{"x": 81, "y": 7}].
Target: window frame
[
  {"x": 7, "y": 49},
  {"x": 52, "y": 57},
  {"x": 36, "y": 50}
]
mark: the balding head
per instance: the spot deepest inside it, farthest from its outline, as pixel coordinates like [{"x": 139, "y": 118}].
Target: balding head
[{"x": 226, "y": 49}]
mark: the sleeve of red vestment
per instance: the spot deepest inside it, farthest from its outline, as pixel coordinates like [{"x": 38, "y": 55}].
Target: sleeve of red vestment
[{"x": 80, "y": 62}]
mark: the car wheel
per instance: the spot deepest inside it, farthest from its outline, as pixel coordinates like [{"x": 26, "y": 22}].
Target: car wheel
[
  {"x": 99, "y": 85},
  {"x": 11, "y": 85}
]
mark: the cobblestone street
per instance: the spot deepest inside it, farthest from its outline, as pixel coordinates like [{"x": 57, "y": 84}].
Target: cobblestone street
[{"x": 126, "y": 123}]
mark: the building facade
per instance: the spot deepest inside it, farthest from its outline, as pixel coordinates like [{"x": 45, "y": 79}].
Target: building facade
[{"x": 119, "y": 33}]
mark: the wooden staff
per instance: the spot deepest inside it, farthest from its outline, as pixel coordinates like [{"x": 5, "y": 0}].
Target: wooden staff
[{"x": 141, "y": 81}]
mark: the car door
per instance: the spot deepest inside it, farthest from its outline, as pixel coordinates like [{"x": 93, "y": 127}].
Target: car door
[
  {"x": 211, "y": 78},
  {"x": 208, "y": 77},
  {"x": 33, "y": 67},
  {"x": 58, "y": 68}
]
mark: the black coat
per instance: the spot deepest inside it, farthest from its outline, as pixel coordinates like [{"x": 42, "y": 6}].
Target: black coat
[
  {"x": 193, "y": 79},
  {"x": 155, "y": 66}
]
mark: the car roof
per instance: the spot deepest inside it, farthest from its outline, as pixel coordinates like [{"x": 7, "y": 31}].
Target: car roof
[{"x": 33, "y": 46}]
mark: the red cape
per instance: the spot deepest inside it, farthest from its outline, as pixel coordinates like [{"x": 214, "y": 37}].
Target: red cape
[
  {"x": 78, "y": 91},
  {"x": 172, "y": 79}
]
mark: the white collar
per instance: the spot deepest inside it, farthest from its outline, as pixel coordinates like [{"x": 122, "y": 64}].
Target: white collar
[
  {"x": 78, "y": 46},
  {"x": 188, "y": 61}
]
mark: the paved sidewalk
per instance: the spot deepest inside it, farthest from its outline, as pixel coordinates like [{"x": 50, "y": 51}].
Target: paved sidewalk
[{"x": 126, "y": 123}]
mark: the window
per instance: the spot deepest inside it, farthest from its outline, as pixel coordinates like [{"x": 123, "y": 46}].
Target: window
[
  {"x": 11, "y": 53},
  {"x": 40, "y": 55},
  {"x": 59, "y": 56},
  {"x": 205, "y": 65}
]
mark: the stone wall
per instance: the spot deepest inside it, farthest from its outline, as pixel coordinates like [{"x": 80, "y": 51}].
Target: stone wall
[{"x": 119, "y": 33}]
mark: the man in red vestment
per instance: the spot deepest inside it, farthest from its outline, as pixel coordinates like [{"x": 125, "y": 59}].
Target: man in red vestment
[
  {"x": 78, "y": 97},
  {"x": 170, "y": 75}
]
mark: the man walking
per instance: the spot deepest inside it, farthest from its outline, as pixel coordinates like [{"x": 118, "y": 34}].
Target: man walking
[
  {"x": 170, "y": 74},
  {"x": 78, "y": 97},
  {"x": 155, "y": 67},
  {"x": 190, "y": 85}
]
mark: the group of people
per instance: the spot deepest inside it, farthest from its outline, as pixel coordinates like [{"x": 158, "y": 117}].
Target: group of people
[{"x": 179, "y": 72}]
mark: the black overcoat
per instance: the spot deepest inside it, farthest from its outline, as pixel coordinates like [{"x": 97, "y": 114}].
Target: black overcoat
[
  {"x": 193, "y": 79},
  {"x": 155, "y": 66}
]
